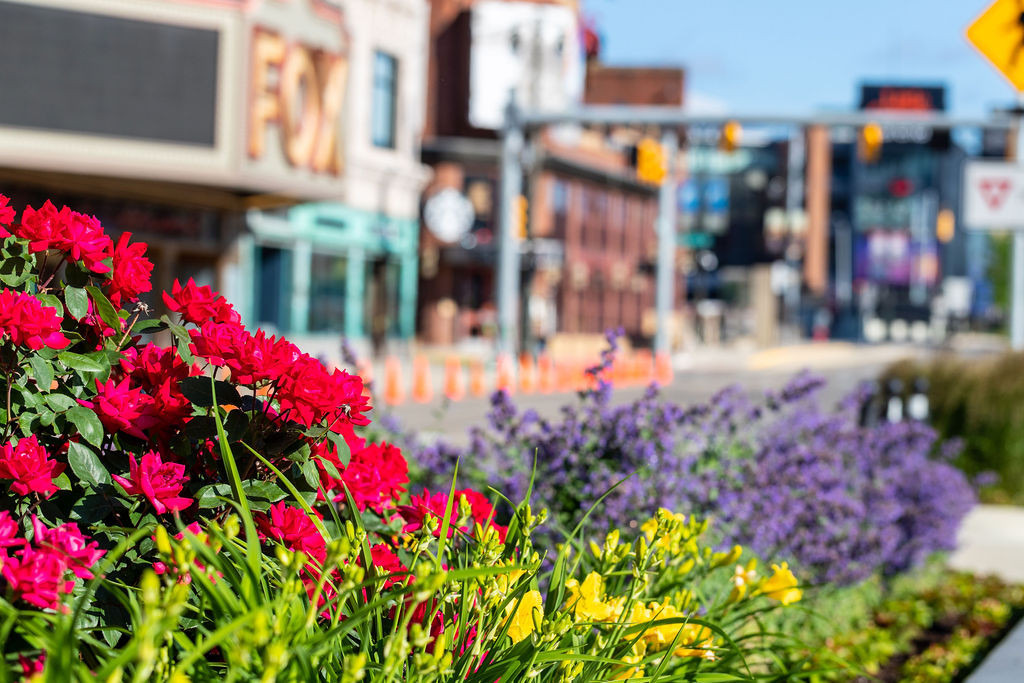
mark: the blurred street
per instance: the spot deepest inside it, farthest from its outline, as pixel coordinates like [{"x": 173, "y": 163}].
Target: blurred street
[{"x": 697, "y": 378}]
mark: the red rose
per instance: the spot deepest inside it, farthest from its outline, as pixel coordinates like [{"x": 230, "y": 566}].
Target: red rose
[
  {"x": 30, "y": 467},
  {"x": 159, "y": 481},
  {"x": 29, "y": 323},
  {"x": 199, "y": 304},
  {"x": 131, "y": 271}
]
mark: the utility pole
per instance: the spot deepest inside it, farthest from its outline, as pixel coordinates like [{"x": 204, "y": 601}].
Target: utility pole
[
  {"x": 1017, "y": 263},
  {"x": 512, "y": 142},
  {"x": 666, "y": 263}
]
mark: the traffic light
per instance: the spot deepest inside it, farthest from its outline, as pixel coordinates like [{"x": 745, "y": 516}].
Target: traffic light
[
  {"x": 945, "y": 226},
  {"x": 870, "y": 143},
  {"x": 522, "y": 213},
  {"x": 650, "y": 161},
  {"x": 730, "y": 139}
]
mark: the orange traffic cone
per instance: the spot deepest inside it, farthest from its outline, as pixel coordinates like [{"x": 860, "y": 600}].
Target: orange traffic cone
[
  {"x": 642, "y": 364},
  {"x": 477, "y": 385},
  {"x": 619, "y": 372},
  {"x": 422, "y": 392},
  {"x": 454, "y": 387},
  {"x": 545, "y": 374},
  {"x": 394, "y": 393},
  {"x": 527, "y": 380},
  {"x": 505, "y": 380},
  {"x": 662, "y": 369}
]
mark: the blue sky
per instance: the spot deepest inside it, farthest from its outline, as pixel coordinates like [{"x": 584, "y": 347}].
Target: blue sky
[{"x": 799, "y": 56}]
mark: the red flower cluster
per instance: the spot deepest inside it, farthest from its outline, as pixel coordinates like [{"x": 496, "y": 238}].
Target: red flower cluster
[
  {"x": 38, "y": 572},
  {"x": 158, "y": 371},
  {"x": 131, "y": 273},
  {"x": 82, "y": 239},
  {"x": 305, "y": 390},
  {"x": 376, "y": 474},
  {"x": 293, "y": 527},
  {"x": 433, "y": 505},
  {"x": 29, "y": 467},
  {"x": 123, "y": 408},
  {"x": 160, "y": 482},
  {"x": 81, "y": 236},
  {"x": 27, "y": 322},
  {"x": 198, "y": 304}
]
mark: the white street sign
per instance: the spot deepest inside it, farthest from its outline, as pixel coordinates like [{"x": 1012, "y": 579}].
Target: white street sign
[{"x": 993, "y": 195}]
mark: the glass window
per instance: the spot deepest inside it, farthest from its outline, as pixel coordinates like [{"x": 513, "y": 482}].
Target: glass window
[
  {"x": 273, "y": 276},
  {"x": 385, "y": 94},
  {"x": 328, "y": 276},
  {"x": 381, "y": 301}
]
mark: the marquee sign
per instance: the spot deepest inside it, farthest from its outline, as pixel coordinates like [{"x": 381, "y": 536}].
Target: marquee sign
[{"x": 244, "y": 94}]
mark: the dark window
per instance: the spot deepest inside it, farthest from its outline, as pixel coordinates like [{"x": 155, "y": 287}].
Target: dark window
[
  {"x": 273, "y": 276},
  {"x": 385, "y": 95},
  {"x": 328, "y": 275}
]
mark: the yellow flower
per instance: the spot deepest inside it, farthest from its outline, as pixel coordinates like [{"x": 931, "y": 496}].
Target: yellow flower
[
  {"x": 659, "y": 636},
  {"x": 722, "y": 559},
  {"x": 650, "y": 527},
  {"x": 782, "y": 585},
  {"x": 521, "y": 623},
  {"x": 587, "y": 601},
  {"x": 741, "y": 578}
]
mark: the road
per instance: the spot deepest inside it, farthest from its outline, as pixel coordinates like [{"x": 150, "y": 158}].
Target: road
[{"x": 843, "y": 365}]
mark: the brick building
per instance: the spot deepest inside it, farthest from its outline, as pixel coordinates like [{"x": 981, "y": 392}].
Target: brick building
[{"x": 589, "y": 242}]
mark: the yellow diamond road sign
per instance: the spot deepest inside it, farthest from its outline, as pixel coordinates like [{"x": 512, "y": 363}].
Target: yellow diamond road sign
[{"x": 998, "y": 33}]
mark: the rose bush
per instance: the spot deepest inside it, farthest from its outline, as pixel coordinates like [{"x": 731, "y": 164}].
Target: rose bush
[{"x": 209, "y": 510}]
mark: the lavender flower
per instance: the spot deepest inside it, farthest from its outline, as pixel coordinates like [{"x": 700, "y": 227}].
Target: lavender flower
[{"x": 840, "y": 499}]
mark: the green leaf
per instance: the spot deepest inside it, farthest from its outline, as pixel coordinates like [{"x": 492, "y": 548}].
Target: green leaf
[
  {"x": 60, "y": 402},
  {"x": 342, "y": 447},
  {"x": 53, "y": 302},
  {"x": 41, "y": 371},
  {"x": 310, "y": 473},
  {"x": 15, "y": 271},
  {"x": 104, "y": 307},
  {"x": 210, "y": 496},
  {"x": 87, "y": 424},
  {"x": 86, "y": 464},
  {"x": 77, "y": 301},
  {"x": 262, "y": 493},
  {"x": 78, "y": 362},
  {"x": 198, "y": 390},
  {"x": 150, "y": 326}
]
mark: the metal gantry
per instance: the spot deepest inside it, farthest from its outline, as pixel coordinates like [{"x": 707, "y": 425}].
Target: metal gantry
[{"x": 520, "y": 125}]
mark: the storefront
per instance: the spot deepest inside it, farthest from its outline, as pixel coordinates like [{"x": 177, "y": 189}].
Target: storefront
[{"x": 270, "y": 149}]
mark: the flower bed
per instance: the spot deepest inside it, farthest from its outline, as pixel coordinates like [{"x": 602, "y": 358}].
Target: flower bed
[
  {"x": 932, "y": 627},
  {"x": 841, "y": 501},
  {"x": 210, "y": 511}
]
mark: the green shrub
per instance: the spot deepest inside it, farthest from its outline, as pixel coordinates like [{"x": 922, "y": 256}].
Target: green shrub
[{"x": 980, "y": 401}]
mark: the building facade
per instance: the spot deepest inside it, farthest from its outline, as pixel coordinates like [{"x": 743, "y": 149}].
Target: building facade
[
  {"x": 268, "y": 148},
  {"x": 586, "y": 237}
]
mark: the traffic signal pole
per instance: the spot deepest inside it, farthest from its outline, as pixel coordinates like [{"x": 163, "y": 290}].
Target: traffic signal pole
[
  {"x": 665, "y": 275},
  {"x": 512, "y": 143}
]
